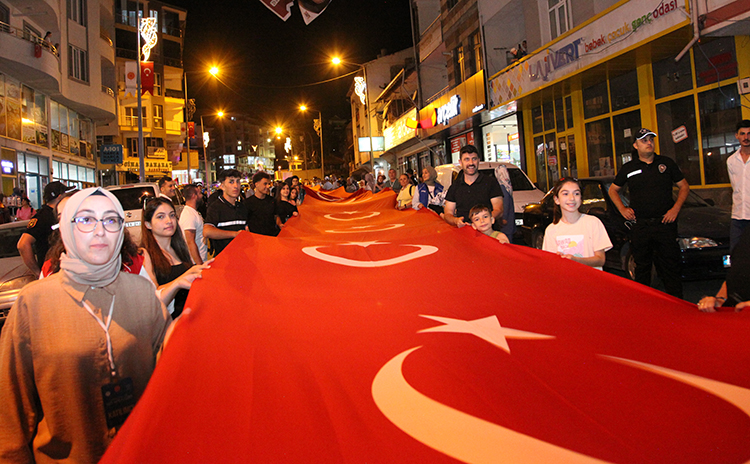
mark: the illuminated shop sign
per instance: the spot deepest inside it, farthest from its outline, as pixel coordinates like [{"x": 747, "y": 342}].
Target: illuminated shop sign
[
  {"x": 8, "y": 167},
  {"x": 449, "y": 111},
  {"x": 623, "y": 27}
]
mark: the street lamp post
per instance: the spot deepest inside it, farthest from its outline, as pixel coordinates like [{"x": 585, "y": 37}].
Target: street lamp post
[
  {"x": 366, "y": 92},
  {"x": 320, "y": 118}
]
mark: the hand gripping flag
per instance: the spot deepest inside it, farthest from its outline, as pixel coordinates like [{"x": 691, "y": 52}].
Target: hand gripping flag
[{"x": 367, "y": 334}]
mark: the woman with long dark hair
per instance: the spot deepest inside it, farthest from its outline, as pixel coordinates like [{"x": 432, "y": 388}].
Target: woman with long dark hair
[
  {"x": 164, "y": 244},
  {"x": 285, "y": 208}
]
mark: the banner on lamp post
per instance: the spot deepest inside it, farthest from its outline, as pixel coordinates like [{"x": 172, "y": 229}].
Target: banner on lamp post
[
  {"x": 147, "y": 77},
  {"x": 131, "y": 78}
]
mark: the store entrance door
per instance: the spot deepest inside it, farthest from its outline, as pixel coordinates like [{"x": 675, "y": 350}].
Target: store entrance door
[{"x": 566, "y": 144}]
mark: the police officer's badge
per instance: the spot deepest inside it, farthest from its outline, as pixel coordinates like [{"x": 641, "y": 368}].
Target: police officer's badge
[
  {"x": 31, "y": 224},
  {"x": 662, "y": 168}
]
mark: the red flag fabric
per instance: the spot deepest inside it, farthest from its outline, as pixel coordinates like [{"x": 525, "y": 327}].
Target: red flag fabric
[
  {"x": 367, "y": 334},
  {"x": 191, "y": 130},
  {"x": 147, "y": 77},
  {"x": 282, "y": 8}
]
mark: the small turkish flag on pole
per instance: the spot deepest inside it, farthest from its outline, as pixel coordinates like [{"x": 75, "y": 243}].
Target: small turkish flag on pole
[
  {"x": 147, "y": 77},
  {"x": 191, "y": 130}
]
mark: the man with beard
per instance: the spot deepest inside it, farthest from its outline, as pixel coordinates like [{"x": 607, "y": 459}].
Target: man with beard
[
  {"x": 472, "y": 188},
  {"x": 226, "y": 216},
  {"x": 191, "y": 224}
]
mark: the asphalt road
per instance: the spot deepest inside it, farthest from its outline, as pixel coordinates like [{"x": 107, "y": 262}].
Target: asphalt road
[{"x": 693, "y": 290}]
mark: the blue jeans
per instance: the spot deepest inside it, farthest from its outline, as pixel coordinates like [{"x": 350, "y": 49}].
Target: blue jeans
[{"x": 735, "y": 231}]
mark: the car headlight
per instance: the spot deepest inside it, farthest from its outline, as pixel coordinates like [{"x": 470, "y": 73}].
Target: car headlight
[
  {"x": 17, "y": 283},
  {"x": 696, "y": 242}
]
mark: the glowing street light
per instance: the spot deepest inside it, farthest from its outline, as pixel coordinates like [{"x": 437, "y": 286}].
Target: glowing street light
[
  {"x": 220, "y": 114},
  {"x": 279, "y": 130},
  {"x": 360, "y": 88},
  {"x": 214, "y": 71}
]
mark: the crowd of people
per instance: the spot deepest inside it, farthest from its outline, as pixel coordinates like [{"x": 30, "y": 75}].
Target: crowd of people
[{"x": 81, "y": 343}]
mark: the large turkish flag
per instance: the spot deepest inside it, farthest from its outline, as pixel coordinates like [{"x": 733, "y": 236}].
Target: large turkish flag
[{"x": 367, "y": 334}]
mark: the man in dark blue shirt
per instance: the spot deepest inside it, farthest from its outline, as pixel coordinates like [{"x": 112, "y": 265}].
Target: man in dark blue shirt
[
  {"x": 262, "y": 217},
  {"x": 653, "y": 236}
]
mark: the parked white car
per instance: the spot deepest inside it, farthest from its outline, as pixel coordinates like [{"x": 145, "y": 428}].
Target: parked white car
[
  {"x": 524, "y": 191},
  {"x": 133, "y": 198},
  {"x": 13, "y": 272}
]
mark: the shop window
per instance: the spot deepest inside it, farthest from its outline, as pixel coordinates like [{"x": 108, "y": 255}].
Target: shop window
[
  {"x": 536, "y": 120},
  {"x": 624, "y": 90},
  {"x": 671, "y": 78},
  {"x": 548, "y": 113},
  {"x": 559, "y": 17},
  {"x": 625, "y": 127},
  {"x": 552, "y": 159},
  {"x": 599, "y": 147},
  {"x": 679, "y": 116},
  {"x": 540, "y": 149},
  {"x": 715, "y": 61},
  {"x": 569, "y": 111},
  {"x": 720, "y": 110},
  {"x": 559, "y": 114},
  {"x": 595, "y": 100}
]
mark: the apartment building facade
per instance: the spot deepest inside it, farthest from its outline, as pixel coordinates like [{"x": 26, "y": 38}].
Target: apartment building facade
[{"x": 57, "y": 79}]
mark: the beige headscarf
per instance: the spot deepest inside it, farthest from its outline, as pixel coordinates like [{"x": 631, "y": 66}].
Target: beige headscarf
[{"x": 95, "y": 275}]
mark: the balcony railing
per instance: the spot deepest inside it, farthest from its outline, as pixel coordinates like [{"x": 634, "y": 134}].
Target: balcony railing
[
  {"x": 25, "y": 35},
  {"x": 103, "y": 34},
  {"x": 175, "y": 62},
  {"x": 173, "y": 93},
  {"x": 108, "y": 91}
]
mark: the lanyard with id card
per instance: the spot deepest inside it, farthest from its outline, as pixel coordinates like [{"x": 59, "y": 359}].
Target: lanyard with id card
[{"x": 118, "y": 396}]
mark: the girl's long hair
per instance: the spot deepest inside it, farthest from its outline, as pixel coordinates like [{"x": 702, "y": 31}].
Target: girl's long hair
[
  {"x": 162, "y": 266},
  {"x": 557, "y": 211}
]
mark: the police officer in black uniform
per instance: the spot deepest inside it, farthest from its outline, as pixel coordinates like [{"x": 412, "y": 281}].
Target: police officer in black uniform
[
  {"x": 653, "y": 236},
  {"x": 40, "y": 227}
]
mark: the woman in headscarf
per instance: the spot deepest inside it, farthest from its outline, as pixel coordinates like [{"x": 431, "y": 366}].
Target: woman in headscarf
[
  {"x": 430, "y": 193},
  {"x": 509, "y": 210},
  {"x": 78, "y": 347}
]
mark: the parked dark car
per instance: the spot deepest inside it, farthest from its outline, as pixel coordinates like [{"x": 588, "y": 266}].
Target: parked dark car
[
  {"x": 13, "y": 272},
  {"x": 702, "y": 230}
]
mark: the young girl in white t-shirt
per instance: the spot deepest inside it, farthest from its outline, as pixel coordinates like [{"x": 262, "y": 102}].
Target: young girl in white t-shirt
[{"x": 572, "y": 234}]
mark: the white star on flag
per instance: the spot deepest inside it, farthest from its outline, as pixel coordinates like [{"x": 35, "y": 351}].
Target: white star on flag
[{"x": 487, "y": 328}]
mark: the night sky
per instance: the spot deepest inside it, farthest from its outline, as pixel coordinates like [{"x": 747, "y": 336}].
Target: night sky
[{"x": 266, "y": 63}]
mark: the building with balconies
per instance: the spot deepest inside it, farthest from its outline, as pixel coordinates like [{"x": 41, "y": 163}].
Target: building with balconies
[
  {"x": 56, "y": 84},
  {"x": 162, "y": 111},
  {"x": 597, "y": 70}
]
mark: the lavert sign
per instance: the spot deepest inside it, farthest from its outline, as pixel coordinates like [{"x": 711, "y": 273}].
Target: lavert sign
[{"x": 631, "y": 23}]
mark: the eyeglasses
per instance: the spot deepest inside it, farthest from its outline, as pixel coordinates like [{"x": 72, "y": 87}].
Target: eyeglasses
[{"x": 87, "y": 224}]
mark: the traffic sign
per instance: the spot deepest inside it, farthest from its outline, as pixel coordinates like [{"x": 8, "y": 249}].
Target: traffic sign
[{"x": 111, "y": 154}]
